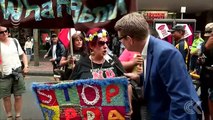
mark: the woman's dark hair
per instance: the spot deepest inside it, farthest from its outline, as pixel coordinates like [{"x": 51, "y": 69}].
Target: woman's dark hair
[{"x": 79, "y": 36}]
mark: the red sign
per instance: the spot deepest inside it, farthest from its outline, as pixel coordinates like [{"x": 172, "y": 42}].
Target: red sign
[{"x": 150, "y": 15}]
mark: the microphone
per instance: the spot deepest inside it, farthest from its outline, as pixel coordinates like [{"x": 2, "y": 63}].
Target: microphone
[{"x": 113, "y": 63}]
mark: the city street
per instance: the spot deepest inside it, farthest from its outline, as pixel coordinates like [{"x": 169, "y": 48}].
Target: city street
[{"x": 31, "y": 110}]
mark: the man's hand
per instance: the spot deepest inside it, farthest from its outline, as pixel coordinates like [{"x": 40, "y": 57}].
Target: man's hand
[
  {"x": 139, "y": 69},
  {"x": 138, "y": 60},
  {"x": 45, "y": 56},
  {"x": 25, "y": 70},
  {"x": 52, "y": 60},
  {"x": 133, "y": 76}
]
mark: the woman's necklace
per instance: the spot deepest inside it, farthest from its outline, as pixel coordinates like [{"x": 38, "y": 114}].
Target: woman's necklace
[{"x": 92, "y": 60}]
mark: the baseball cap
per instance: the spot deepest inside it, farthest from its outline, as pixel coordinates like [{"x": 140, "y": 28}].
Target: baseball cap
[
  {"x": 208, "y": 29},
  {"x": 53, "y": 35},
  {"x": 177, "y": 28},
  {"x": 198, "y": 31}
]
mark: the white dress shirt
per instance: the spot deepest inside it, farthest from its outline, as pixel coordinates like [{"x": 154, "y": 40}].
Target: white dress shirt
[{"x": 144, "y": 55}]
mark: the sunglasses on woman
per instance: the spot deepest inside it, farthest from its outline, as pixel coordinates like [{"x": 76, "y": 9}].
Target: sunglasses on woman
[
  {"x": 102, "y": 43},
  {"x": 2, "y": 32}
]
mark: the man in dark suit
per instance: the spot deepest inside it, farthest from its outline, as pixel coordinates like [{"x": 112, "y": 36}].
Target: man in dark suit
[{"x": 168, "y": 88}]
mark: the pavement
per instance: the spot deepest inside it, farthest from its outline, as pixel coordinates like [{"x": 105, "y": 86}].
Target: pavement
[{"x": 44, "y": 68}]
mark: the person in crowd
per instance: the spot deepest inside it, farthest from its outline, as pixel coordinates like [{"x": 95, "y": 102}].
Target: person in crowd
[
  {"x": 195, "y": 51},
  {"x": 69, "y": 61},
  {"x": 56, "y": 51},
  {"x": 32, "y": 40},
  {"x": 206, "y": 74},
  {"x": 28, "y": 46},
  {"x": 115, "y": 45},
  {"x": 47, "y": 42},
  {"x": 178, "y": 32},
  {"x": 168, "y": 88},
  {"x": 132, "y": 62},
  {"x": 98, "y": 64},
  {"x": 11, "y": 78}
]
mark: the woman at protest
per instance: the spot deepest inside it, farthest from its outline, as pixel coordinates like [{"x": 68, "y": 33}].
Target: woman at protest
[
  {"x": 98, "y": 64},
  {"x": 69, "y": 61}
]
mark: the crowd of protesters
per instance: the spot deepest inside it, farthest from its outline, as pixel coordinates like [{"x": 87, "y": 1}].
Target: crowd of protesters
[{"x": 159, "y": 71}]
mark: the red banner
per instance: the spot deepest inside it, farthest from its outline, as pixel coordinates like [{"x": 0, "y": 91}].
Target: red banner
[{"x": 81, "y": 14}]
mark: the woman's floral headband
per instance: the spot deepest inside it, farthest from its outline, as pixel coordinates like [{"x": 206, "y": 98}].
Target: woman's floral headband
[{"x": 99, "y": 34}]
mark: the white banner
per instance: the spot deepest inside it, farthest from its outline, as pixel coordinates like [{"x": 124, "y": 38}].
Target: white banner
[{"x": 162, "y": 30}]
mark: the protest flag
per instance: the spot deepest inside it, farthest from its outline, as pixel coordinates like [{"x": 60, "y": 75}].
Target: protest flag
[{"x": 64, "y": 37}]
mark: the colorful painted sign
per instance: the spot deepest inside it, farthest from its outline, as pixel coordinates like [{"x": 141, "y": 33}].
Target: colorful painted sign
[
  {"x": 63, "y": 13},
  {"x": 89, "y": 99}
]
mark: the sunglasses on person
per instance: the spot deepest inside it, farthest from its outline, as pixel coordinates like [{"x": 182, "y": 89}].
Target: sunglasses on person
[
  {"x": 102, "y": 43},
  {"x": 2, "y": 32},
  {"x": 209, "y": 31},
  {"x": 120, "y": 38}
]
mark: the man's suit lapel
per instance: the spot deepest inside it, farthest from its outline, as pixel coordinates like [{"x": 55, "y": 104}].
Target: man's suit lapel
[{"x": 149, "y": 60}]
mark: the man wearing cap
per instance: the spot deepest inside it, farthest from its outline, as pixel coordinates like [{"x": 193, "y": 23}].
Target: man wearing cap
[
  {"x": 195, "y": 50},
  {"x": 178, "y": 32},
  {"x": 56, "y": 51},
  {"x": 206, "y": 75}
]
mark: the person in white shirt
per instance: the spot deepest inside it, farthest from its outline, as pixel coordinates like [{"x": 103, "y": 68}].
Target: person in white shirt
[
  {"x": 47, "y": 43},
  {"x": 28, "y": 46},
  {"x": 11, "y": 80}
]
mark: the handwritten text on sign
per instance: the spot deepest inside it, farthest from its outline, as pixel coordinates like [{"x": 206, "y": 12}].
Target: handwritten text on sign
[{"x": 79, "y": 11}]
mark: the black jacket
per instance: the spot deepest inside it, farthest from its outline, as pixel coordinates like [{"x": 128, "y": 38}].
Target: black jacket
[
  {"x": 60, "y": 51},
  {"x": 206, "y": 74}
]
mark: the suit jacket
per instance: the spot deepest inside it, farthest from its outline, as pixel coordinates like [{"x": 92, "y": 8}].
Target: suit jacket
[{"x": 168, "y": 88}]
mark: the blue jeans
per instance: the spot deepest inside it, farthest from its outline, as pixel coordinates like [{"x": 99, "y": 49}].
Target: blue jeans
[{"x": 28, "y": 51}]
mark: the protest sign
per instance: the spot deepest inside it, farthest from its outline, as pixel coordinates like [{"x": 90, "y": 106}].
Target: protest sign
[{"x": 105, "y": 99}]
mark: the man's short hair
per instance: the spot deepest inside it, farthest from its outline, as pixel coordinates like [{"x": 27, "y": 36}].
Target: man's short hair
[
  {"x": 133, "y": 25},
  {"x": 177, "y": 28},
  {"x": 208, "y": 29}
]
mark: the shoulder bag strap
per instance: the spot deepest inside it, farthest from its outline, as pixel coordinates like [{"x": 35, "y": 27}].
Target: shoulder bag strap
[
  {"x": 16, "y": 44},
  {"x": 1, "y": 65}
]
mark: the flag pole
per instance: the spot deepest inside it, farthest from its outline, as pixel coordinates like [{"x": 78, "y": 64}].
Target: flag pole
[
  {"x": 70, "y": 66},
  {"x": 71, "y": 44}
]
